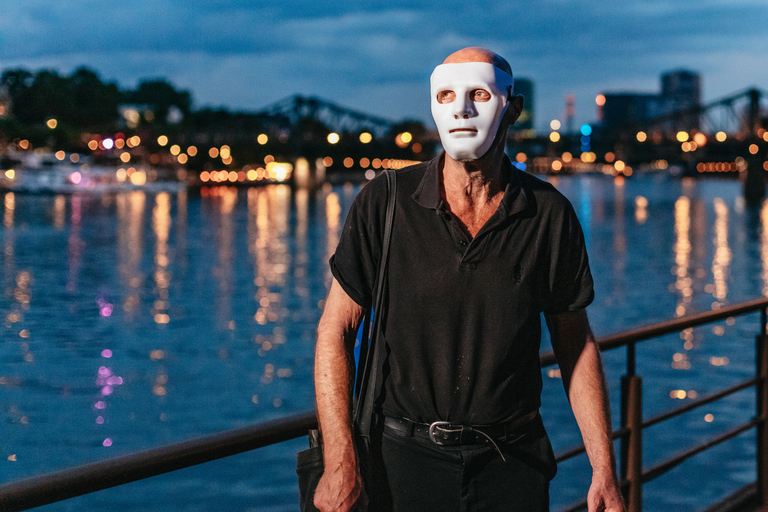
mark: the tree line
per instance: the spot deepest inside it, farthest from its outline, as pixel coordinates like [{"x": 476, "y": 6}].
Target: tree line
[{"x": 83, "y": 101}]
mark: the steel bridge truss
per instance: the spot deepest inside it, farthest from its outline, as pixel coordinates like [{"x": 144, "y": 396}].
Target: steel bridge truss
[
  {"x": 740, "y": 113},
  {"x": 335, "y": 117}
]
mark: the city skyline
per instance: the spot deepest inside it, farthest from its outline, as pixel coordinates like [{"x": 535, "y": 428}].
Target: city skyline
[{"x": 374, "y": 58}]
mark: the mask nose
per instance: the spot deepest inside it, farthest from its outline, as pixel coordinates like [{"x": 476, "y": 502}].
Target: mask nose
[{"x": 463, "y": 108}]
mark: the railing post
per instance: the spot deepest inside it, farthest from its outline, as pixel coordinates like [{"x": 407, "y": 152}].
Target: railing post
[
  {"x": 762, "y": 411},
  {"x": 632, "y": 442}
]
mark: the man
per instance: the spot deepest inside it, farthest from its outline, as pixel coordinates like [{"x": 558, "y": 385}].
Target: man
[{"x": 479, "y": 250}]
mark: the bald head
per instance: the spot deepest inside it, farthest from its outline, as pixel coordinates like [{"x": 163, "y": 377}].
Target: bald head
[
  {"x": 472, "y": 102},
  {"x": 478, "y": 54}
]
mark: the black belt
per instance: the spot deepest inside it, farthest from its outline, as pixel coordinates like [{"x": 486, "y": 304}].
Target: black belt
[{"x": 444, "y": 433}]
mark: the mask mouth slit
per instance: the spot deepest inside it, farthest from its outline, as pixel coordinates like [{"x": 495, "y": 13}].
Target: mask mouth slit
[{"x": 462, "y": 130}]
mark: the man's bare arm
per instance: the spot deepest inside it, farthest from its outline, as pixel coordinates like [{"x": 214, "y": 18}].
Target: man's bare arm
[
  {"x": 341, "y": 485},
  {"x": 581, "y": 367}
]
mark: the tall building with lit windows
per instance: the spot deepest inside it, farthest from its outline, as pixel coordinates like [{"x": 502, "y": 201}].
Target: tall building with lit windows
[
  {"x": 681, "y": 92},
  {"x": 678, "y": 102}
]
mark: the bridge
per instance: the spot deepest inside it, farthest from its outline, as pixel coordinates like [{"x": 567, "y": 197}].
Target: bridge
[
  {"x": 337, "y": 118},
  {"x": 728, "y": 130},
  {"x": 740, "y": 113}
]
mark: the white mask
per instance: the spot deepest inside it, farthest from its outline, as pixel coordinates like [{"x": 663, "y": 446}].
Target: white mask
[{"x": 468, "y": 118}]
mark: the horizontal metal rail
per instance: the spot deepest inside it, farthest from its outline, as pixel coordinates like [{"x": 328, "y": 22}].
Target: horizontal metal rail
[
  {"x": 698, "y": 403},
  {"x": 665, "y": 466},
  {"x": 96, "y": 476},
  {"x": 629, "y": 337},
  {"x": 42, "y": 490}
]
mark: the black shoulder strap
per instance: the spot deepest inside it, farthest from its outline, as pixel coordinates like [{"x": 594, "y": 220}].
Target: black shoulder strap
[{"x": 367, "y": 385}]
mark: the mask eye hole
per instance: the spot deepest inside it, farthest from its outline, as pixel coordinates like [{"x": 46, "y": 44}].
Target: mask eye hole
[
  {"x": 480, "y": 95},
  {"x": 446, "y": 97}
]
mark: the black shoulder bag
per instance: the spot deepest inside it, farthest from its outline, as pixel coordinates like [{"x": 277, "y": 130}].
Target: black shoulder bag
[{"x": 309, "y": 464}]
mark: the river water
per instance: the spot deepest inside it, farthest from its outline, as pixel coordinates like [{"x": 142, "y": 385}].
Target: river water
[{"x": 134, "y": 320}]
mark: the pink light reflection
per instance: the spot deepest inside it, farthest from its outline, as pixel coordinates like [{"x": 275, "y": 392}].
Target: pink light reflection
[
  {"x": 107, "y": 390},
  {"x": 75, "y": 177},
  {"x": 106, "y": 353},
  {"x": 100, "y": 405},
  {"x": 100, "y": 420},
  {"x": 105, "y": 308},
  {"x": 107, "y": 442}
]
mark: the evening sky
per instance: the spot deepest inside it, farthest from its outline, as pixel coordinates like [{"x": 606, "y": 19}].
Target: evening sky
[{"x": 377, "y": 56}]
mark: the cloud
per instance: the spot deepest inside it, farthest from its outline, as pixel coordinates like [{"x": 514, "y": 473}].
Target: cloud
[{"x": 377, "y": 56}]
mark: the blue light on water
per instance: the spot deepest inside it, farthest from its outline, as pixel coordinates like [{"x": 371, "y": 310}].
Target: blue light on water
[{"x": 586, "y": 129}]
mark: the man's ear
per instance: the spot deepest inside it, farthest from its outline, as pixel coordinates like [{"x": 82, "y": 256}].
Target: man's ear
[{"x": 514, "y": 109}]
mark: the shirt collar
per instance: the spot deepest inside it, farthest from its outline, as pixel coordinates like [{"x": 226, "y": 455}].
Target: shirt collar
[{"x": 427, "y": 193}]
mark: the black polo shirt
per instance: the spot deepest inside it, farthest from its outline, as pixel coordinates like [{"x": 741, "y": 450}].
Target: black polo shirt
[{"x": 463, "y": 324}]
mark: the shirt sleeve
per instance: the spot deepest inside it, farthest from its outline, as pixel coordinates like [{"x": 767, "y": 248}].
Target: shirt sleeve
[
  {"x": 357, "y": 256},
  {"x": 570, "y": 285}
]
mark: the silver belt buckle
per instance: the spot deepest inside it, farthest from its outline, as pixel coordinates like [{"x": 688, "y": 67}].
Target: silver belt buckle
[{"x": 432, "y": 428}]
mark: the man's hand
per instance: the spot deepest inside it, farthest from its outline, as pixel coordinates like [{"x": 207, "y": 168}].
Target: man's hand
[
  {"x": 340, "y": 488},
  {"x": 604, "y": 495}
]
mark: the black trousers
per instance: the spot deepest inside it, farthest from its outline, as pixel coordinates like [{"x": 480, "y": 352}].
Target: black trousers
[{"x": 412, "y": 474}]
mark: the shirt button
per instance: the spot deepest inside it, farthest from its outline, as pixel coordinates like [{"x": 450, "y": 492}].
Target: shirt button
[{"x": 463, "y": 243}]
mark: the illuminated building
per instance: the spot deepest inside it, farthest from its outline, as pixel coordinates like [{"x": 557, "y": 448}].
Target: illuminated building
[{"x": 680, "y": 92}]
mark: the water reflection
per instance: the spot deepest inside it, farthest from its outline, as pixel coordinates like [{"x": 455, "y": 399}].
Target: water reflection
[
  {"x": 332, "y": 221},
  {"x": 239, "y": 273},
  {"x": 224, "y": 203},
  {"x": 181, "y": 261},
  {"x": 76, "y": 245},
  {"x": 130, "y": 243},
  {"x": 10, "y": 208},
  {"x": 9, "y": 203},
  {"x": 21, "y": 296},
  {"x": 764, "y": 246},
  {"x": 682, "y": 250},
  {"x": 619, "y": 231},
  {"x": 301, "y": 257},
  {"x": 161, "y": 225},
  {"x": 722, "y": 258},
  {"x": 268, "y": 221},
  {"x": 59, "y": 212},
  {"x": 641, "y": 209}
]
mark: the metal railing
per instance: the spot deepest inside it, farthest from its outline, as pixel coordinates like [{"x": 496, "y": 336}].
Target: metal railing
[
  {"x": 630, "y": 433},
  {"x": 69, "y": 483}
]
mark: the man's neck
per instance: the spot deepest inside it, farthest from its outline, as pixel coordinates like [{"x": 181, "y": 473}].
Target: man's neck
[
  {"x": 475, "y": 183},
  {"x": 473, "y": 190}
]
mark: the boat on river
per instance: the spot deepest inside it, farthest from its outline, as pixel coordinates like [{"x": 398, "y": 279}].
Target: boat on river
[{"x": 38, "y": 172}]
